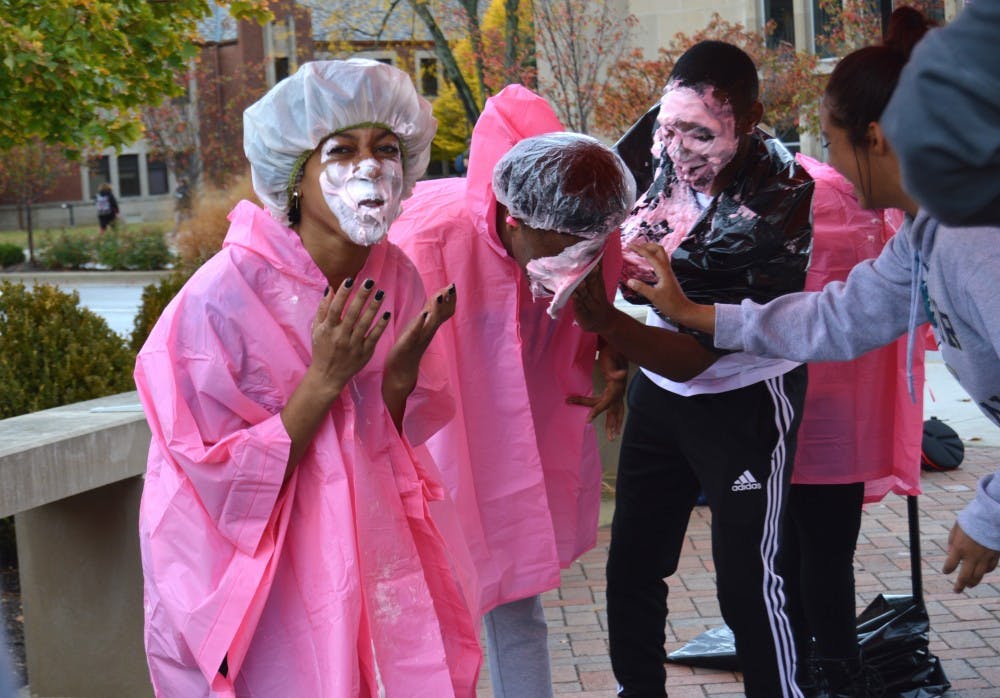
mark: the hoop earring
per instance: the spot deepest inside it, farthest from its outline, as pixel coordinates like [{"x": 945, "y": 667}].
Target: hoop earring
[{"x": 295, "y": 208}]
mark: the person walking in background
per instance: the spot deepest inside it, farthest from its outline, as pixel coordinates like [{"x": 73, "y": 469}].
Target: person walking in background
[
  {"x": 182, "y": 203},
  {"x": 107, "y": 207},
  {"x": 533, "y": 216},
  {"x": 734, "y": 209},
  {"x": 287, "y": 544}
]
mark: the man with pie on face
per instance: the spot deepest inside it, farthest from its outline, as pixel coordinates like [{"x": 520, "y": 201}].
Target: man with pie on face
[{"x": 732, "y": 210}]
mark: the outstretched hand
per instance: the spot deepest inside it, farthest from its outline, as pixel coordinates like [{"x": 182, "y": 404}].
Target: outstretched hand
[
  {"x": 611, "y": 401},
  {"x": 402, "y": 365},
  {"x": 972, "y": 560},
  {"x": 666, "y": 294}
]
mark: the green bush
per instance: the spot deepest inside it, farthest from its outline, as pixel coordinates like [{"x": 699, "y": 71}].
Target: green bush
[
  {"x": 10, "y": 254},
  {"x": 154, "y": 299},
  {"x": 55, "y": 352},
  {"x": 148, "y": 250},
  {"x": 145, "y": 249},
  {"x": 68, "y": 252},
  {"x": 109, "y": 248}
]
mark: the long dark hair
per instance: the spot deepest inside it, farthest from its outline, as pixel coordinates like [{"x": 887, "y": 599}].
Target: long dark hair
[{"x": 863, "y": 81}]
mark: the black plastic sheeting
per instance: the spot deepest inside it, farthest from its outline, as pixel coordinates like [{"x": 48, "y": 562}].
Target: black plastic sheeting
[
  {"x": 728, "y": 255},
  {"x": 892, "y": 633}
]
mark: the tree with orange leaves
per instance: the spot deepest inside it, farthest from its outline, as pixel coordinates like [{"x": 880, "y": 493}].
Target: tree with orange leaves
[
  {"x": 27, "y": 173},
  {"x": 580, "y": 41},
  {"x": 196, "y": 139}
]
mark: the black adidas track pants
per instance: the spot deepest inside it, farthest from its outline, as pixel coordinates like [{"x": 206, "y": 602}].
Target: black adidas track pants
[{"x": 738, "y": 448}]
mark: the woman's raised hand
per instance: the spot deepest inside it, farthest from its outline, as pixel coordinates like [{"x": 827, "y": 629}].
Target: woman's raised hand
[
  {"x": 344, "y": 334},
  {"x": 403, "y": 362},
  {"x": 402, "y": 366}
]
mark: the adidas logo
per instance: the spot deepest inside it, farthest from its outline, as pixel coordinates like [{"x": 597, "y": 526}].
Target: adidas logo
[{"x": 744, "y": 482}]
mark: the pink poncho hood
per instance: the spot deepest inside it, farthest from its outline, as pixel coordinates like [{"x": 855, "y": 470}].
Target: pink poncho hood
[{"x": 521, "y": 465}]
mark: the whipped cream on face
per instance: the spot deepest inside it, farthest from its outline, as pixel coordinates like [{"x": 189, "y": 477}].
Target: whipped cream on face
[
  {"x": 698, "y": 132},
  {"x": 365, "y": 196},
  {"x": 559, "y": 275}
]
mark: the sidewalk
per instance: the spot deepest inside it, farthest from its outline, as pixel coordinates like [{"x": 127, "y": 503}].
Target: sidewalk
[{"x": 965, "y": 628}]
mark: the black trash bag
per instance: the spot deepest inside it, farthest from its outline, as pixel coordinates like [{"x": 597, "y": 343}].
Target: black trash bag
[
  {"x": 941, "y": 448},
  {"x": 634, "y": 148},
  {"x": 752, "y": 241},
  {"x": 893, "y": 634}
]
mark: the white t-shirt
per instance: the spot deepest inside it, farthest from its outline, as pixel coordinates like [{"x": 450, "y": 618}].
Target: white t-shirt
[{"x": 730, "y": 372}]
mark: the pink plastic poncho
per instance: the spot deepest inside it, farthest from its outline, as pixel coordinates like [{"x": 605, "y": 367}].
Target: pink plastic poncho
[
  {"x": 859, "y": 422},
  {"x": 336, "y": 583},
  {"x": 522, "y": 465}
]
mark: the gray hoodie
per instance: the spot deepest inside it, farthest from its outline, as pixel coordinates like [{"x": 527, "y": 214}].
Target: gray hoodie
[{"x": 928, "y": 272}]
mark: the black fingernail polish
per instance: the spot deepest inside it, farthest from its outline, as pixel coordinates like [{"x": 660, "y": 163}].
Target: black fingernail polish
[
  {"x": 369, "y": 283},
  {"x": 440, "y": 299},
  {"x": 452, "y": 290},
  {"x": 348, "y": 282},
  {"x": 385, "y": 315},
  {"x": 379, "y": 294},
  {"x": 326, "y": 292}
]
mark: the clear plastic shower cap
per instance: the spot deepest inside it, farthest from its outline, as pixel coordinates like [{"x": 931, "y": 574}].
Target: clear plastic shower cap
[
  {"x": 325, "y": 97},
  {"x": 566, "y": 182}
]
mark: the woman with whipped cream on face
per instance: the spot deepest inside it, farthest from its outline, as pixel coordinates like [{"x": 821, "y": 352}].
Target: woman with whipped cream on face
[{"x": 286, "y": 541}]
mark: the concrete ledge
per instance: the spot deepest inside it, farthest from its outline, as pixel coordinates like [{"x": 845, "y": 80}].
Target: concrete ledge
[
  {"x": 49, "y": 455},
  {"x": 72, "y": 476},
  {"x": 80, "y": 278}
]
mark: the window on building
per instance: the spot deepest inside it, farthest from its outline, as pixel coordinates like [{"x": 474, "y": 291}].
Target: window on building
[
  {"x": 156, "y": 171},
  {"x": 791, "y": 139},
  {"x": 429, "y": 77},
  {"x": 280, "y": 68},
  {"x": 98, "y": 172},
  {"x": 128, "y": 176},
  {"x": 823, "y": 28},
  {"x": 779, "y": 20},
  {"x": 865, "y": 21}
]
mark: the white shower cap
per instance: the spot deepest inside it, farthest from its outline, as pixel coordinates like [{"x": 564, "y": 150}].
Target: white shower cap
[
  {"x": 325, "y": 97},
  {"x": 567, "y": 182}
]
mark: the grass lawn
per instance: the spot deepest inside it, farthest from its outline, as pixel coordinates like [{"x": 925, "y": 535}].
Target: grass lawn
[{"x": 42, "y": 236}]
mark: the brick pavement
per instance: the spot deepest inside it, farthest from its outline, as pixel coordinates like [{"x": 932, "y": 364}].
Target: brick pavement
[{"x": 965, "y": 628}]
